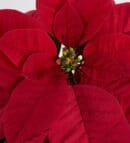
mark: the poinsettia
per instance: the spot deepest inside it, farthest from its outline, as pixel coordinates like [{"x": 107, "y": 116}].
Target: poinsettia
[
  {"x": 106, "y": 54},
  {"x": 45, "y": 108}
]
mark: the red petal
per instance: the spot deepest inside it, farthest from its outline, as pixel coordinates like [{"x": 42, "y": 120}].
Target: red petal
[
  {"x": 68, "y": 26},
  {"x": 19, "y": 44},
  {"x": 34, "y": 107},
  {"x": 38, "y": 139},
  {"x": 9, "y": 77},
  {"x": 93, "y": 116},
  {"x": 118, "y": 21},
  {"x": 47, "y": 10},
  {"x": 2, "y": 136},
  {"x": 93, "y": 14},
  {"x": 37, "y": 65},
  {"x": 107, "y": 65},
  {"x": 11, "y": 19},
  {"x": 8, "y": 73},
  {"x": 69, "y": 127},
  {"x": 33, "y": 13},
  {"x": 104, "y": 119}
]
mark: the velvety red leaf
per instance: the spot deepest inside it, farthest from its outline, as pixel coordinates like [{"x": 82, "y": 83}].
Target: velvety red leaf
[
  {"x": 37, "y": 65},
  {"x": 11, "y": 19},
  {"x": 68, "y": 27},
  {"x": 103, "y": 116},
  {"x": 92, "y": 116},
  {"x": 8, "y": 73},
  {"x": 47, "y": 10},
  {"x": 70, "y": 18},
  {"x": 118, "y": 21},
  {"x": 38, "y": 139},
  {"x": 19, "y": 44},
  {"x": 1, "y": 126},
  {"x": 16, "y": 47},
  {"x": 31, "y": 13},
  {"x": 9, "y": 77},
  {"x": 34, "y": 14},
  {"x": 93, "y": 14},
  {"x": 107, "y": 65},
  {"x": 34, "y": 106},
  {"x": 69, "y": 127},
  {"x": 47, "y": 110}
]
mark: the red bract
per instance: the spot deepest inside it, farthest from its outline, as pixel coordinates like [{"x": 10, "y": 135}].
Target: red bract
[
  {"x": 33, "y": 13},
  {"x": 118, "y": 21},
  {"x": 44, "y": 108},
  {"x": 107, "y": 66},
  {"x": 9, "y": 74},
  {"x": 73, "y": 22},
  {"x": 11, "y": 19},
  {"x": 107, "y": 58}
]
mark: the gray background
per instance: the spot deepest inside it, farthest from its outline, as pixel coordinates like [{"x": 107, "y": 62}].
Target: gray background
[
  {"x": 22, "y": 5},
  {"x": 120, "y": 1},
  {"x": 26, "y": 5}
]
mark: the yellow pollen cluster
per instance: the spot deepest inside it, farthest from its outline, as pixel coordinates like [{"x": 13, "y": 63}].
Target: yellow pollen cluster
[{"x": 69, "y": 61}]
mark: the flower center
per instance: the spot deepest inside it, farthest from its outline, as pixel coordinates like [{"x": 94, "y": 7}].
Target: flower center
[{"x": 69, "y": 60}]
